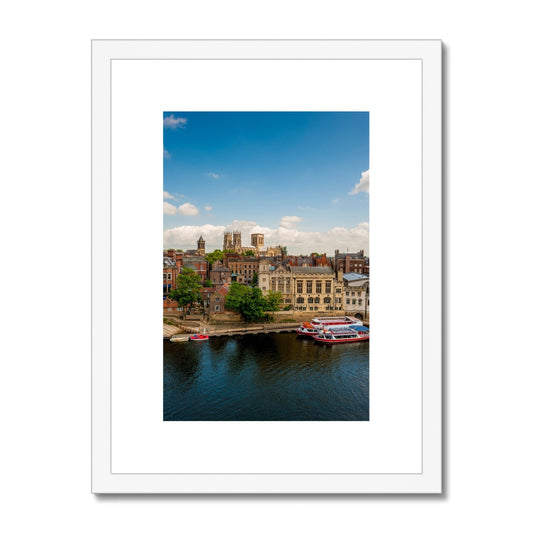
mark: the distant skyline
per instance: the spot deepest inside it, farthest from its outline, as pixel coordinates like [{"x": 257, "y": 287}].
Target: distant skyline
[{"x": 301, "y": 179}]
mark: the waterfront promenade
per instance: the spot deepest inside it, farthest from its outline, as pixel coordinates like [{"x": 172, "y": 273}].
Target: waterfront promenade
[
  {"x": 176, "y": 327},
  {"x": 220, "y": 330}
]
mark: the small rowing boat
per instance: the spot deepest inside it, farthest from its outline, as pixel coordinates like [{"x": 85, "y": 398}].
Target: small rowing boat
[{"x": 199, "y": 337}]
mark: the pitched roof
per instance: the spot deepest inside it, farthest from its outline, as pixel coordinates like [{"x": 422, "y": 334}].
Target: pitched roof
[
  {"x": 354, "y": 276},
  {"x": 311, "y": 270},
  {"x": 223, "y": 290}
]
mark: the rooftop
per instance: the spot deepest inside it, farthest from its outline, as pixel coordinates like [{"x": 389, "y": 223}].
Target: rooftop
[
  {"x": 311, "y": 270},
  {"x": 353, "y": 276}
]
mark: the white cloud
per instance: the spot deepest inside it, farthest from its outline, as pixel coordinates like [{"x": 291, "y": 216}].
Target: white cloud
[
  {"x": 169, "y": 209},
  {"x": 290, "y": 221},
  {"x": 363, "y": 185},
  {"x": 167, "y": 195},
  {"x": 335, "y": 201},
  {"x": 166, "y": 153},
  {"x": 208, "y": 208},
  {"x": 213, "y": 175},
  {"x": 297, "y": 242},
  {"x": 188, "y": 209},
  {"x": 173, "y": 122}
]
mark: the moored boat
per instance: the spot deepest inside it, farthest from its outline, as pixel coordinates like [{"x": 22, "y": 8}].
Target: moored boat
[
  {"x": 318, "y": 324},
  {"x": 198, "y": 337},
  {"x": 179, "y": 338},
  {"x": 321, "y": 321},
  {"x": 354, "y": 333}
]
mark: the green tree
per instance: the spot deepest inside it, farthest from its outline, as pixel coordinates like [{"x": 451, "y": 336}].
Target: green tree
[
  {"x": 211, "y": 257},
  {"x": 208, "y": 283},
  {"x": 249, "y": 253},
  {"x": 255, "y": 278},
  {"x": 250, "y": 302},
  {"x": 273, "y": 301},
  {"x": 187, "y": 291}
]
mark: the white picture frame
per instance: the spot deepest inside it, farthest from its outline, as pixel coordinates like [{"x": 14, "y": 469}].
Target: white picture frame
[{"x": 412, "y": 467}]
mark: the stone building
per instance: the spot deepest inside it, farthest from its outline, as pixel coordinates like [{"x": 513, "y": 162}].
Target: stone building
[
  {"x": 218, "y": 299},
  {"x": 316, "y": 289},
  {"x": 281, "y": 281},
  {"x": 263, "y": 275},
  {"x": 233, "y": 242},
  {"x": 228, "y": 241},
  {"x": 219, "y": 274},
  {"x": 357, "y": 295},
  {"x": 304, "y": 288},
  {"x": 258, "y": 241},
  {"x": 200, "y": 248}
]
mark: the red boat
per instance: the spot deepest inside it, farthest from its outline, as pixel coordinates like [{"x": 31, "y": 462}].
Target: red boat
[
  {"x": 318, "y": 324},
  {"x": 340, "y": 336},
  {"x": 308, "y": 330},
  {"x": 198, "y": 337}
]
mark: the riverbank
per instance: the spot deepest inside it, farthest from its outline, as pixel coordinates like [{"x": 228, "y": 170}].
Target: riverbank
[
  {"x": 173, "y": 327},
  {"x": 220, "y": 330}
]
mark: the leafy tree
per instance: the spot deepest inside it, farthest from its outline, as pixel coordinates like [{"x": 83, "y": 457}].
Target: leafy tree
[
  {"x": 273, "y": 301},
  {"x": 187, "y": 291},
  {"x": 208, "y": 283},
  {"x": 255, "y": 279},
  {"x": 250, "y": 302},
  {"x": 211, "y": 257},
  {"x": 249, "y": 253}
]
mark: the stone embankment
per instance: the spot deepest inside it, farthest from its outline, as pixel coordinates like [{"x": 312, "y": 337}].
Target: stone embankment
[
  {"x": 183, "y": 328},
  {"x": 224, "y": 330}
]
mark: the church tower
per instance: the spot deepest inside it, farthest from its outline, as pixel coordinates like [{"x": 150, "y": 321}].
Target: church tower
[{"x": 200, "y": 248}]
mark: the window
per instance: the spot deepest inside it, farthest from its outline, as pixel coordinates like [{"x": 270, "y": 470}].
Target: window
[
  {"x": 309, "y": 300},
  {"x": 318, "y": 287},
  {"x": 328, "y": 286},
  {"x": 217, "y": 299},
  {"x": 299, "y": 286},
  {"x": 317, "y": 301},
  {"x": 300, "y": 300},
  {"x": 309, "y": 286},
  {"x": 327, "y": 300},
  {"x": 338, "y": 290},
  {"x": 360, "y": 302},
  {"x": 217, "y": 307},
  {"x": 347, "y": 301}
]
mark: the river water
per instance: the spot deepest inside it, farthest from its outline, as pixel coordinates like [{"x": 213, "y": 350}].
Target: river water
[{"x": 278, "y": 376}]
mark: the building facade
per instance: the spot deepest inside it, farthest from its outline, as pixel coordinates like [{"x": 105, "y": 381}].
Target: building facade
[
  {"x": 357, "y": 295},
  {"x": 316, "y": 289}
]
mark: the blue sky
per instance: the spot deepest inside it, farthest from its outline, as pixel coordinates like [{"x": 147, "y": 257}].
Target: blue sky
[{"x": 300, "y": 178}]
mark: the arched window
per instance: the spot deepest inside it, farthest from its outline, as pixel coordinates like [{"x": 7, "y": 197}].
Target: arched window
[
  {"x": 309, "y": 300},
  {"x": 317, "y": 300}
]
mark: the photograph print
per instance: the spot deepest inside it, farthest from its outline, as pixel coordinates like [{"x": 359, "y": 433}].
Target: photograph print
[{"x": 266, "y": 266}]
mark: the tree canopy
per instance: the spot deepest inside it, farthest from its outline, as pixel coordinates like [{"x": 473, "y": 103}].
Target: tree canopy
[
  {"x": 211, "y": 257},
  {"x": 250, "y": 302},
  {"x": 187, "y": 291}
]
